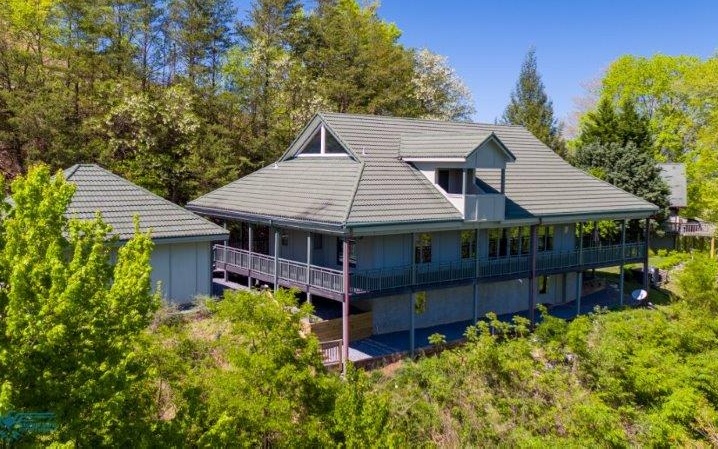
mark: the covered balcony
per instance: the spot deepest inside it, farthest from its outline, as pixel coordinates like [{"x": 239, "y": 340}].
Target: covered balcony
[{"x": 328, "y": 282}]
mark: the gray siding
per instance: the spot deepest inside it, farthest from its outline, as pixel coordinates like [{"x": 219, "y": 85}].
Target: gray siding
[{"x": 183, "y": 270}]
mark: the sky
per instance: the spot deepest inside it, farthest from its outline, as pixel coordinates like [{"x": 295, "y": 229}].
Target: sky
[{"x": 575, "y": 40}]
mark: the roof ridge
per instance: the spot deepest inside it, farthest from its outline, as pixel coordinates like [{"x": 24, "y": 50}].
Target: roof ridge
[
  {"x": 354, "y": 193},
  {"x": 417, "y": 119}
]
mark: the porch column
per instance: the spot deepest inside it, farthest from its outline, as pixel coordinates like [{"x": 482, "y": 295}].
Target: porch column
[
  {"x": 623, "y": 261},
  {"x": 277, "y": 236},
  {"x": 532, "y": 275},
  {"x": 646, "y": 280},
  {"x": 309, "y": 264},
  {"x": 476, "y": 280},
  {"x": 463, "y": 184},
  {"x": 579, "y": 274},
  {"x": 412, "y": 299},
  {"x": 226, "y": 244},
  {"x": 412, "y": 324},
  {"x": 250, "y": 243},
  {"x": 346, "y": 247}
]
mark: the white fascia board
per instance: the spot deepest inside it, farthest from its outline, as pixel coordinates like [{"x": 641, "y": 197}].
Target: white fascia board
[{"x": 434, "y": 159}]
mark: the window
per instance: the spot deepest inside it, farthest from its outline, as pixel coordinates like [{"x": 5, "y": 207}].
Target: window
[
  {"x": 525, "y": 240},
  {"x": 450, "y": 179},
  {"x": 422, "y": 248},
  {"x": 317, "y": 241},
  {"x": 352, "y": 253},
  {"x": 514, "y": 235},
  {"x": 543, "y": 285},
  {"x": 468, "y": 244},
  {"x": 494, "y": 237},
  {"x": 330, "y": 145},
  {"x": 545, "y": 238},
  {"x": 285, "y": 239}
]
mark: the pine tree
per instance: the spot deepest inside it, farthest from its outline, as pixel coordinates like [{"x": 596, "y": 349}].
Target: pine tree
[
  {"x": 530, "y": 107},
  {"x": 616, "y": 146}
]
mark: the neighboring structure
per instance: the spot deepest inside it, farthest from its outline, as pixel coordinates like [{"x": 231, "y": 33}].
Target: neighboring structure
[
  {"x": 441, "y": 221},
  {"x": 181, "y": 259},
  {"x": 676, "y": 226}
]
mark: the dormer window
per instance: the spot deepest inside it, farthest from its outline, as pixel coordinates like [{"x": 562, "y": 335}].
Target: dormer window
[{"x": 323, "y": 143}]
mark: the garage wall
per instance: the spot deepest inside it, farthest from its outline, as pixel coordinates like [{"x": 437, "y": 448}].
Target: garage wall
[{"x": 183, "y": 269}]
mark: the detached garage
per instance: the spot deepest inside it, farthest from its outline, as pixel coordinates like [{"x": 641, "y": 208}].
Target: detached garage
[{"x": 182, "y": 258}]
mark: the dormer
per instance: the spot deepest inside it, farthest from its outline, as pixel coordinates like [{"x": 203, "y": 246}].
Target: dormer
[{"x": 450, "y": 161}]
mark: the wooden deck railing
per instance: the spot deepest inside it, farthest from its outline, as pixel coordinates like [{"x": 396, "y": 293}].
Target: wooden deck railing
[
  {"x": 382, "y": 279},
  {"x": 331, "y": 352}
]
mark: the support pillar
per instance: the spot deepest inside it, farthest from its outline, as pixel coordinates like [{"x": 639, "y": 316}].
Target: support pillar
[
  {"x": 533, "y": 250},
  {"x": 476, "y": 279},
  {"x": 309, "y": 265},
  {"x": 346, "y": 247},
  {"x": 250, "y": 243},
  {"x": 623, "y": 262},
  {"x": 412, "y": 324},
  {"x": 646, "y": 279},
  {"x": 579, "y": 275},
  {"x": 277, "y": 237},
  {"x": 226, "y": 244}
]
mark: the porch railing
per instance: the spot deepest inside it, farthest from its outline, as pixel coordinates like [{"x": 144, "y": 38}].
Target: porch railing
[
  {"x": 381, "y": 279},
  {"x": 289, "y": 270},
  {"x": 331, "y": 351}
]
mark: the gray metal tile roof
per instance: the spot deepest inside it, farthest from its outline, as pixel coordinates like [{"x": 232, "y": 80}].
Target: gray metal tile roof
[
  {"x": 304, "y": 188},
  {"x": 119, "y": 200},
  {"x": 539, "y": 183},
  {"x": 429, "y": 145},
  {"x": 375, "y": 186}
]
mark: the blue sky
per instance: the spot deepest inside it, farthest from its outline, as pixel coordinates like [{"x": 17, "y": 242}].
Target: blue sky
[
  {"x": 486, "y": 41},
  {"x": 575, "y": 40}
]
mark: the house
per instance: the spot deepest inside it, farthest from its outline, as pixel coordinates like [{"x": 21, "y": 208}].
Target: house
[
  {"x": 677, "y": 227},
  {"x": 421, "y": 222},
  {"x": 181, "y": 260}
]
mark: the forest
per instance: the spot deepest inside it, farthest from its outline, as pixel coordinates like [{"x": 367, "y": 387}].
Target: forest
[{"x": 183, "y": 96}]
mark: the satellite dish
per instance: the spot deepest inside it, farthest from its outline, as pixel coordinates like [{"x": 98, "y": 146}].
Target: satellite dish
[{"x": 639, "y": 295}]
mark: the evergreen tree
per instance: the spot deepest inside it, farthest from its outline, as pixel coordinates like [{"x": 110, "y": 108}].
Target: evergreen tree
[
  {"x": 530, "y": 107},
  {"x": 617, "y": 147}
]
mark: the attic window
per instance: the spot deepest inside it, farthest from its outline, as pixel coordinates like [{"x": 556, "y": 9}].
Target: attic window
[{"x": 323, "y": 143}]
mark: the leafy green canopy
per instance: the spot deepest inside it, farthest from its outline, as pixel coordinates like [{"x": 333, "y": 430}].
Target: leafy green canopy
[
  {"x": 70, "y": 319},
  {"x": 530, "y": 107}
]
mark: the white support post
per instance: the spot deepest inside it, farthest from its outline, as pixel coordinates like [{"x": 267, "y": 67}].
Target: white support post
[
  {"x": 346, "y": 248},
  {"x": 322, "y": 144},
  {"x": 309, "y": 265},
  {"x": 277, "y": 237}
]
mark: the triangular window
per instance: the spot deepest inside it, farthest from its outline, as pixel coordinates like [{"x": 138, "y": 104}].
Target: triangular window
[{"x": 323, "y": 143}]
